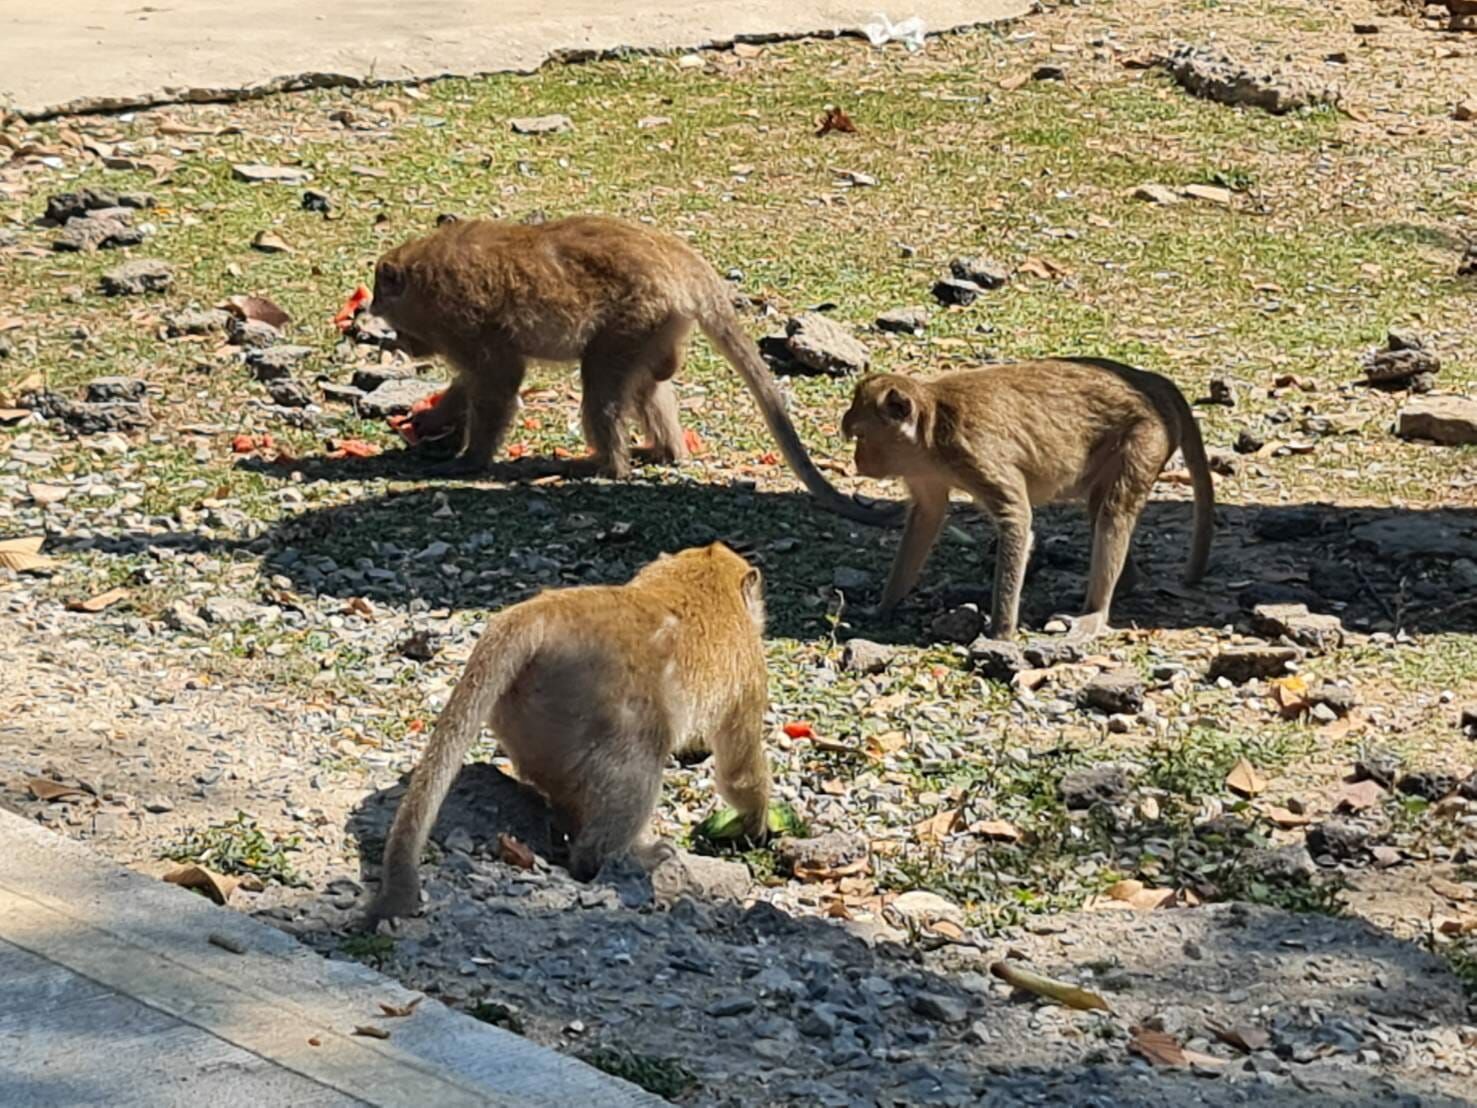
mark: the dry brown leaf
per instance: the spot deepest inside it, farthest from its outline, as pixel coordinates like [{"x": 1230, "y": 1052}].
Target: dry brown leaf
[
  {"x": 44, "y": 788},
  {"x": 514, "y": 852},
  {"x": 1138, "y": 895},
  {"x": 97, "y": 603},
  {"x": 1287, "y": 818},
  {"x": 1031, "y": 679},
  {"x": 1014, "y": 81},
  {"x": 1159, "y": 1047},
  {"x": 889, "y": 742},
  {"x": 830, "y": 873},
  {"x": 258, "y": 308},
  {"x": 269, "y": 242},
  {"x": 1291, "y": 696},
  {"x": 1044, "y": 268},
  {"x": 13, "y": 415},
  {"x": 399, "y": 1011},
  {"x": 1244, "y": 1038},
  {"x": 217, "y": 886},
  {"x": 1244, "y": 780},
  {"x": 1359, "y": 796},
  {"x": 1452, "y": 890},
  {"x": 369, "y": 1031},
  {"x": 1039, "y": 985},
  {"x": 24, "y": 554},
  {"x": 835, "y": 120},
  {"x": 939, "y": 826},
  {"x": 946, "y": 930},
  {"x": 1000, "y": 830},
  {"x": 1457, "y": 926}
]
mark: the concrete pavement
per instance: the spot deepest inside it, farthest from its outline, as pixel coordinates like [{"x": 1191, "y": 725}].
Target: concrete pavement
[
  {"x": 83, "y": 55},
  {"x": 115, "y": 995}
]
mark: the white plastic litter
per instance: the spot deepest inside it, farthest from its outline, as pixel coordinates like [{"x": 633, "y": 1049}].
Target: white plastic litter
[{"x": 909, "y": 32}]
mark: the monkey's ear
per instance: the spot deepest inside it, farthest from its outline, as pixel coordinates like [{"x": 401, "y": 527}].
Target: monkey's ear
[
  {"x": 389, "y": 279},
  {"x": 751, "y": 588},
  {"x": 897, "y": 406}
]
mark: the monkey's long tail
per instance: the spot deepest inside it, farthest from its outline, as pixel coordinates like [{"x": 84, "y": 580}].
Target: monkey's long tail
[
  {"x": 500, "y": 655},
  {"x": 724, "y": 331},
  {"x": 1193, "y": 447}
]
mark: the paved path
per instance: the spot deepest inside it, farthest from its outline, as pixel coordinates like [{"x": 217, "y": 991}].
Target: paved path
[
  {"x": 114, "y": 995},
  {"x": 58, "y": 56}
]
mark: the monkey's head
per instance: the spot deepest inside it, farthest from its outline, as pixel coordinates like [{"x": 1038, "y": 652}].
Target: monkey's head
[
  {"x": 889, "y": 419},
  {"x": 399, "y": 301}
]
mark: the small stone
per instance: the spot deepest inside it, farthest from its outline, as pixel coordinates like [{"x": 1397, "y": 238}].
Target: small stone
[
  {"x": 1222, "y": 392},
  {"x": 369, "y": 378},
  {"x": 230, "y": 611},
  {"x": 273, "y": 363},
  {"x": 731, "y": 1006},
  {"x": 1386, "y": 856},
  {"x": 1214, "y": 194},
  {"x": 903, "y": 321},
  {"x": 865, "y": 656},
  {"x": 1105, "y": 783},
  {"x": 1406, "y": 356},
  {"x": 541, "y": 124},
  {"x": 314, "y": 201},
  {"x": 395, "y": 397},
  {"x": 181, "y": 617},
  {"x": 937, "y": 1006},
  {"x": 1465, "y": 111},
  {"x": 1044, "y": 653},
  {"x": 1315, "y": 631},
  {"x": 699, "y": 878},
  {"x": 849, "y": 578},
  {"x": 1468, "y": 721},
  {"x": 1428, "y": 785},
  {"x": 1366, "y": 28},
  {"x": 158, "y": 805},
  {"x": 252, "y": 334},
  {"x": 830, "y": 851},
  {"x": 986, "y": 273},
  {"x": 97, "y": 232},
  {"x": 137, "y": 277},
  {"x": 1338, "y": 839},
  {"x": 288, "y": 393},
  {"x": 459, "y": 839},
  {"x": 1157, "y": 194},
  {"x": 1248, "y": 441},
  {"x": 273, "y": 174},
  {"x": 961, "y": 625},
  {"x": 952, "y": 292},
  {"x": 193, "y": 321},
  {"x": 1290, "y": 863},
  {"x": 1215, "y": 75},
  {"x": 1239, "y": 664},
  {"x": 1447, "y": 420},
  {"x": 1378, "y": 765},
  {"x": 1119, "y": 691},
  {"x": 819, "y": 1023},
  {"x": 919, "y": 907},
  {"x": 340, "y": 394},
  {"x": 1048, "y": 73},
  {"x": 824, "y": 346},
  {"x": 103, "y": 390},
  {"x": 996, "y": 660}
]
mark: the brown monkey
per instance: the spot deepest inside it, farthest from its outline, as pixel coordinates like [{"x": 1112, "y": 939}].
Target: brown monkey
[
  {"x": 589, "y": 691},
  {"x": 619, "y": 298},
  {"x": 1016, "y": 436}
]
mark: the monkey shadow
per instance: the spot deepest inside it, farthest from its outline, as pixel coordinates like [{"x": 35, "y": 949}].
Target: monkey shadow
[{"x": 457, "y": 546}]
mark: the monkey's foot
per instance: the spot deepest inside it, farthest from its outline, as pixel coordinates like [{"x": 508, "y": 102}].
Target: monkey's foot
[
  {"x": 1085, "y": 628},
  {"x": 657, "y": 456}
]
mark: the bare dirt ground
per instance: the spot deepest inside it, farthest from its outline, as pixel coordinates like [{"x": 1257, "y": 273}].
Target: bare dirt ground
[{"x": 1200, "y": 853}]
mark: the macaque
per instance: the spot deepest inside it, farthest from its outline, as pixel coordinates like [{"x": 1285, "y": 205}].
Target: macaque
[
  {"x": 590, "y": 691},
  {"x": 619, "y": 298},
  {"x": 1026, "y": 434}
]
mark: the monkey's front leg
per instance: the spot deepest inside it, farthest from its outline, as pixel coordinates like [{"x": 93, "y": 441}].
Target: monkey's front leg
[
  {"x": 491, "y": 398},
  {"x": 927, "y": 510}
]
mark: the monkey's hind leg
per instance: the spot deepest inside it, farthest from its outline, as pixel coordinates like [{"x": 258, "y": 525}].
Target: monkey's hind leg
[
  {"x": 1114, "y": 507},
  {"x": 616, "y": 817},
  {"x": 741, "y": 770},
  {"x": 657, "y": 406}
]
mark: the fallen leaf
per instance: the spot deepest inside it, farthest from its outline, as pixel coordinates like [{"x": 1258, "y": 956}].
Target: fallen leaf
[
  {"x": 799, "y": 730},
  {"x": 889, "y": 742},
  {"x": 97, "y": 603},
  {"x": 1359, "y": 796},
  {"x": 1039, "y": 985},
  {"x": 1014, "y": 81},
  {"x": 938, "y": 826},
  {"x": 514, "y": 852},
  {"x": 1044, "y": 268},
  {"x": 258, "y": 308},
  {"x": 1244, "y": 780},
  {"x": 1291, "y": 696},
  {"x": 1159, "y": 1047},
  {"x": 999, "y": 830},
  {"x": 1457, "y": 926},
  {"x": 803, "y": 872},
  {"x": 946, "y": 929},
  {"x": 1452, "y": 890},
  {"x": 399, "y": 1011},
  {"x": 1140, "y": 896},
  {"x": 835, "y": 120},
  {"x": 13, "y": 415},
  {"x": 1287, "y": 818},
  {"x": 1246, "y": 1039},
  {"x": 43, "y": 788},
  {"x": 353, "y": 448},
  {"x": 269, "y": 242},
  {"x": 369, "y": 1031},
  {"x": 217, "y": 886},
  {"x": 24, "y": 554}
]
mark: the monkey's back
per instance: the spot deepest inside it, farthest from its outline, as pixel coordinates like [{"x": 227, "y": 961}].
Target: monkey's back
[{"x": 1053, "y": 419}]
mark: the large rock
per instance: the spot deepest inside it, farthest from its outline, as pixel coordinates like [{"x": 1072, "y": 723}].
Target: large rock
[
  {"x": 396, "y": 397},
  {"x": 984, "y": 272},
  {"x": 1117, "y": 692},
  {"x": 98, "y": 231},
  {"x": 865, "y": 656},
  {"x": 103, "y": 390},
  {"x": 195, "y": 321},
  {"x": 829, "y": 851},
  {"x": 1239, "y": 664},
  {"x": 1104, "y": 783},
  {"x": 137, "y": 277},
  {"x": 700, "y": 878},
  {"x": 1294, "y": 622},
  {"x": 1448, "y": 420},
  {"x": 71, "y": 205},
  {"x": 823, "y": 346},
  {"x": 996, "y": 659},
  {"x": 1216, "y": 75}
]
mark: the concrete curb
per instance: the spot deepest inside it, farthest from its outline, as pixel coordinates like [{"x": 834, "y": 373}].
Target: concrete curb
[
  {"x": 87, "y": 923},
  {"x": 97, "y": 55}
]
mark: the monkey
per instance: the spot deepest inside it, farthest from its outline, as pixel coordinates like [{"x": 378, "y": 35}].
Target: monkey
[
  {"x": 621, "y": 299},
  {"x": 590, "y": 690},
  {"x": 1025, "y": 434}
]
